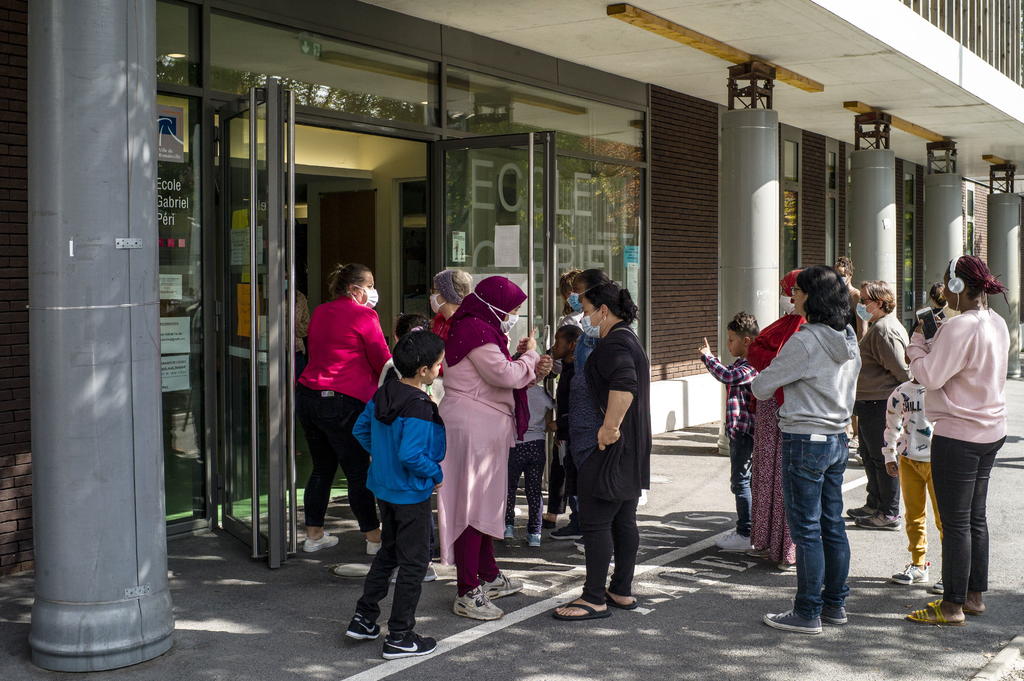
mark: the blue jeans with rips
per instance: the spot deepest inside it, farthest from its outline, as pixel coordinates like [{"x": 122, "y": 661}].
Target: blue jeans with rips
[{"x": 812, "y": 485}]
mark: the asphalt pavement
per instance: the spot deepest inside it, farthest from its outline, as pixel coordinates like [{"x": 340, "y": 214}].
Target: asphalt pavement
[{"x": 699, "y": 616}]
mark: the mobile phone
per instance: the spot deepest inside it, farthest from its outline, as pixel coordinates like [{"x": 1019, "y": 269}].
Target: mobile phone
[{"x": 929, "y": 324}]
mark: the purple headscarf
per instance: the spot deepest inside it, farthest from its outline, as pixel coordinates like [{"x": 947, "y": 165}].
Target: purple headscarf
[{"x": 475, "y": 325}]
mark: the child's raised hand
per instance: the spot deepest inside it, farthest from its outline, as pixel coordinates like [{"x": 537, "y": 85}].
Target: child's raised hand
[{"x": 706, "y": 348}]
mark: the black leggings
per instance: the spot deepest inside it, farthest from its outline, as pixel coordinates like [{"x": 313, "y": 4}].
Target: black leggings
[
  {"x": 960, "y": 473},
  {"x": 327, "y": 423}
]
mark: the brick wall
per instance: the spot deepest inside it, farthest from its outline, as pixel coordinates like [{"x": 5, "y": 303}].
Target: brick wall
[
  {"x": 899, "y": 236},
  {"x": 980, "y": 219},
  {"x": 15, "y": 457},
  {"x": 842, "y": 248},
  {"x": 920, "y": 285},
  {"x": 684, "y": 231},
  {"x": 812, "y": 203}
]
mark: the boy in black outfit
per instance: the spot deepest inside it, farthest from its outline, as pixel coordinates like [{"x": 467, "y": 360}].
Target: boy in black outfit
[
  {"x": 403, "y": 432},
  {"x": 562, "y": 478}
]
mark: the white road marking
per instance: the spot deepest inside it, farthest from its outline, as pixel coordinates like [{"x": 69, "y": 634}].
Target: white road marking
[{"x": 455, "y": 641}]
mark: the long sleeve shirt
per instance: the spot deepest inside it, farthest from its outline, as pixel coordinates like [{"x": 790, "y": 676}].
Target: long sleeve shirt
[
  {"x": 907, "y": 430},
  {"x": 884, "y": 366},
  {"x": 737, "y": 378},
  {"x": 963, "y": 368}
]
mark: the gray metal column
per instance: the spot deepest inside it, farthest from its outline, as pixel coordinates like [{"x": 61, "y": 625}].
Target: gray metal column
[
  {"x": 943, "y": 224},
  {"x": 1004, "y": 261},
  {"x": 748, "y": 225},
  {"x": 98, "y": 495},
  {"x": 873, "y": 214}
]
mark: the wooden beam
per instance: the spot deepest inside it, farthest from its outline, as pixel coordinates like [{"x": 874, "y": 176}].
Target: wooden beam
[
  {"x": 897, "y": 122},
  {"x": 995, "y": 160},
  {"x": 686, "y": 36}
]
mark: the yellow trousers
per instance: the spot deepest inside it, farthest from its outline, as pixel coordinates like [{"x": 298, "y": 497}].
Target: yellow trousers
[{"x": 916, "y": 485}]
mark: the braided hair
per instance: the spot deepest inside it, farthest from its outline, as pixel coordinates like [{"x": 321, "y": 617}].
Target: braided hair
[{"x": 977, "y": 277}]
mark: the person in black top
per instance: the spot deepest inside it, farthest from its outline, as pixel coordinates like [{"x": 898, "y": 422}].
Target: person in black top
[
  {"x": 562, "y": 475},
  {"x": 612, "y": 474}
]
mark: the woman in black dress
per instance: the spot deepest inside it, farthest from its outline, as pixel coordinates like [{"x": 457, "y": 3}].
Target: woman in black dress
[{"x": 612, "y": 474}]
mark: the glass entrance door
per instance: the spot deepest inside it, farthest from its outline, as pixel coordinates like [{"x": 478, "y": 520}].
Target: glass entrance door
[
  {"x": 495, "y": 198},
  {"x": 257, "y": 199}
]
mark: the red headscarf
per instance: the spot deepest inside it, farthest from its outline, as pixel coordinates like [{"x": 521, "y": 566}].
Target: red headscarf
[
  {"x": 475, "y": 324},
  {"x": 771, "y": 339}
]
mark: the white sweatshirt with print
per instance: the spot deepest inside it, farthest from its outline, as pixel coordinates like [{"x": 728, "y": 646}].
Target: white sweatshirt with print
[{"x": 907, "y": 432}]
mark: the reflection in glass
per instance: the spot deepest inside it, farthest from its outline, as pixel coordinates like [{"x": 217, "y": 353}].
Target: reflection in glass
[
  {"x": 488, "y": 105},
  {"x": 908, "y": 244},
  {"x": 790, "y": 160},
  {"x": 790, "y": 237},
  {"x": 416, "y": 279},
  {"x": 323, "y": 73},
  {"x": 179, "y": 219},
  {"x": 177, "y": 43}
]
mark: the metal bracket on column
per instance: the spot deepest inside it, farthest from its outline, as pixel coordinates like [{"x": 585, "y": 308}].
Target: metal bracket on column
[
  {"x": 750, "y": 84},
  {"x": 941, "y": 157},
  {"x": 1000, "y": 177},
  {"x": 872, "y": 129}
]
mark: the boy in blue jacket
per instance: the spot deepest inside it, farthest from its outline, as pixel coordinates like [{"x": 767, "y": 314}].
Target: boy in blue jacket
[{"x": 403, "y": 432}]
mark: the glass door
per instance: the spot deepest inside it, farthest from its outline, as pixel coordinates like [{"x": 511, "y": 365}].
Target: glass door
[
  {"x": 495, "y": 198},
  {"x": 257, "y": 232}
]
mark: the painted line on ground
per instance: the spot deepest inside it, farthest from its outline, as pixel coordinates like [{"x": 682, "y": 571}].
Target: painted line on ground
[{"x": 455, "y": 641}]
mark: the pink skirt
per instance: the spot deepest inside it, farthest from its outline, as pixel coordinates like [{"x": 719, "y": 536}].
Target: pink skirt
[{"x": 770, "y": 532}]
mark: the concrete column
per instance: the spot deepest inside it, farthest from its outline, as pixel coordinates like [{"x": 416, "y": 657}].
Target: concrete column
[
  {"x": 1004, "y": 261},
  {"x": 873, "y": 215},
  {"x": 748, "y": 223},
  {"x": 101, "y": 596},
  {"x": 943, "y": 224}
]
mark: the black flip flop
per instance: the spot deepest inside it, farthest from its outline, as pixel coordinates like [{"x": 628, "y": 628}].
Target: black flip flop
[
  {"x": 612, "y": 604},
  {"x": 592, "y": 614}
]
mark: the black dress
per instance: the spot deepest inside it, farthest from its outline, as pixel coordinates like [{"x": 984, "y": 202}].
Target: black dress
[{"x": 620, "y": 363}]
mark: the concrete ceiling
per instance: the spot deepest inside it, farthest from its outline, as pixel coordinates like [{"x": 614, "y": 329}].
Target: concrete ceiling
[{"x": 798, "y": 34}]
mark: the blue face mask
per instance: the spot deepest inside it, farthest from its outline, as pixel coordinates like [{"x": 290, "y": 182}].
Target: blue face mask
[
  {"x": 862, "y": 312},
  {"x": 574, "y": 302},
  {"x": 588, "y": 327}
]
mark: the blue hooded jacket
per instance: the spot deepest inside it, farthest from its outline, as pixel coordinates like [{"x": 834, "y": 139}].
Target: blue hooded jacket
[{"x": 404, "y": 434}]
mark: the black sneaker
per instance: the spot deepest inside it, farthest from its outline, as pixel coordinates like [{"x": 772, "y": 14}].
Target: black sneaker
[
  {"x": 790, "y": 621},
  {"x": 548, "y": 524},
  {"x": 362, "y": 629},
  {"x": 407, "y": 644},
  {"x": 862, "y": 512},
  {"x": 833, "y": 614},
  {"x": 570, "y": 531}
]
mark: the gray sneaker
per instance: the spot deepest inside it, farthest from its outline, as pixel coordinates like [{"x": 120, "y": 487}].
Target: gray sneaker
[
  {"x": 912, "y": 574},
  {"x": 475, "y": 605},
  {"x": 502, "y": 585},
  {"x": 790, "y": 621},
  {"x": 878, "y": 521},
  {"x": 862, "y": 512},
  {"x": 938, "y": 588},
  {"x": 833, "y": 614}
]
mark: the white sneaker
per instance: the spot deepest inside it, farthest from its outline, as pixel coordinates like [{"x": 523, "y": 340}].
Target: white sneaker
[
  {"x": 734, "y": 541},
  {"x": 372, "y": 547},
  {"x": 510, "y": 532},
  {"x": 502, "y": 585},
  {"x": 476, "y": 606},
  {"x": 643, "y": 498},
  {"x": 912, "y": 574},
  {"x": 324, "y": 542},
  {"x": 430, "y": 576}
]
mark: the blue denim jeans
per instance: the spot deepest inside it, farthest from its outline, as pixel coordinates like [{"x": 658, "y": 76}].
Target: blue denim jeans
[
  {"x": 741, "y": 450},
  {"x": 812, "y": 485}
]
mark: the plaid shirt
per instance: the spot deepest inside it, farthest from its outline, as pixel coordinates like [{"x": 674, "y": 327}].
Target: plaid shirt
[{"x": 737, "y": 376}]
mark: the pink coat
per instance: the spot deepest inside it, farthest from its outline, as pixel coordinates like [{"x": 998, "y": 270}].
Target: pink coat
[{"x": 478, "y": 412}]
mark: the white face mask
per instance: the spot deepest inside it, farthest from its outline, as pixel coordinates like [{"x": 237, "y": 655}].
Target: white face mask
[
  {"x": 787, "y": 305},
  {"x": 435, "y": 303},
  {"x": 506, "y": 324},
  {"x": 372, "y": 297},
  {"x": 509, "y": 324}
]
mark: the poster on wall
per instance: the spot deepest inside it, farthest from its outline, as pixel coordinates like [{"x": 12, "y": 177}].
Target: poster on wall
[
  {"x": 174, "y": 373},
  {"x": 631, "y": 258},
  {"x": 458, "y": 247},
  {"x": 506, "y": 246},
  {"x": 175, "y": 335},
  {"x": 170, "y": 287},
  {"x": 170, "y": 143}
]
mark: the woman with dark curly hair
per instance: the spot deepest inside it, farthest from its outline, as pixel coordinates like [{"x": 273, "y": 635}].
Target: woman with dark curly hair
[{"x": 818, "y": 368}]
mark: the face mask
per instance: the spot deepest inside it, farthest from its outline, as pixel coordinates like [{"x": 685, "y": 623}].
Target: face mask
[
  {"x": 372, "y": 297},
  {"x": 435, "y": 303},
  {"x": 574, "y": 302},
  {"x": 786, "y": 304},
  {"x": 589, "y": 328},
  {"x": 509, "y": 324},
  {"x": 862, "y": 312},
  {"x": 506, "y": 324}
]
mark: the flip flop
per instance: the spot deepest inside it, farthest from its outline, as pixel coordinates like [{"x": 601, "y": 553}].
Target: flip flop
[
  {"x": 612, "y": 604},
  {"x": 932, "y": 615},
  {"x": 592, "y": 613},
  {"x": 967, "y": 611}
]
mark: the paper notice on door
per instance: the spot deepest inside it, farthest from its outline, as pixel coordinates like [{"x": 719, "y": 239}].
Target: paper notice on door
[
  {"x": 174, "y": 373},
  {"x": 506, "y": 246},
  {"x": 242, "y": 310},
  {"x": 170, "y": 287},
  {"x": 175, "y": 335},
  {"x": 458, "y": 247}
]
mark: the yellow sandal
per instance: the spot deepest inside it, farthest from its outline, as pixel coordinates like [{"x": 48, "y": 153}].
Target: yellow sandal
[{"x": 933, "y": 615}]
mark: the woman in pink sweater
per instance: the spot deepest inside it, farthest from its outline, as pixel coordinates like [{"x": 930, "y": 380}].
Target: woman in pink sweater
[
  {"x": 963, "y": 368},
  {"x": 347, "y": 351}
]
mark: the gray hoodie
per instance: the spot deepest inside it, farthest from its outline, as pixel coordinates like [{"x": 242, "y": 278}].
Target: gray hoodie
[{"x": 817, "y": 369}]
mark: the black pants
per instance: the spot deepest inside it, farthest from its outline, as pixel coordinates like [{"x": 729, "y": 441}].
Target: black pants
[
  {"x": 327, "y": 423},
  {"x": 609, "y": 528},
  {"x": 883, "y": 489},
  {"x": 960, "y": 473},
  {"x": 405, "y": 538}
]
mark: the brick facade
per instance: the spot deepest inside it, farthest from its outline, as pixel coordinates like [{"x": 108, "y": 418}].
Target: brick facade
[
  {"x": 812, "y": 201},
  {"x": 15, "y": 448},
  {"x": 684, "y": 231}
]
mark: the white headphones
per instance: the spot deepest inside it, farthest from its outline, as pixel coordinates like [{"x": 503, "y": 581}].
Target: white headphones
[{"x": 956, "y": 284}]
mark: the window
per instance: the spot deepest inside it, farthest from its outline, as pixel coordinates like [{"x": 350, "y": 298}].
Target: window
[
  {"x": 907, "y": 254},
  {"x": 323, "y": 73},
  {"x": 790, "y": 161},
  {"x": 790, "y": 237},
  {"x": 832, "y": 246},
  {"x": 177, "y": 43},
  {"x": 969, "y": 224}
]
